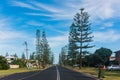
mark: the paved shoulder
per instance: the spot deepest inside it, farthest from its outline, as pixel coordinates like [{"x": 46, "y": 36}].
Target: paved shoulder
[
  {"x": 18, "y": 76},
  {"x": 48, "y": 74},
  {"x": 66, "y": 74}
]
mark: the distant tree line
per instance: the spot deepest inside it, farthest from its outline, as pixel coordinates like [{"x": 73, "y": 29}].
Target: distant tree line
[{"x": 99, "y": 57}]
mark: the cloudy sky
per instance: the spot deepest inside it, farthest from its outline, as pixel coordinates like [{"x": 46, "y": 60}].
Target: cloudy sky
[{"x": 19, "y": 20}]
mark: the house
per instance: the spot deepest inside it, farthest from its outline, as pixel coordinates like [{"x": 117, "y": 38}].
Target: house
[
  {"x": 117, "y": 56},
  {"x": 10, "y": 59},
  {"x": 112, "y": 58}
]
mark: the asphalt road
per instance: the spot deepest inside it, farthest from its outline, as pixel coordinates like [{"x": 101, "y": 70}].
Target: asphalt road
[{"x": 52, "y": 73}]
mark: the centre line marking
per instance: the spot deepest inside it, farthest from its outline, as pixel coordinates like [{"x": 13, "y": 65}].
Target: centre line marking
[{"x": 58, "y": 73}]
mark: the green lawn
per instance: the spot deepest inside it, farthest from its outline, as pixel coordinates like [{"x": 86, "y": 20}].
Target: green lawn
[
  {"x": 109, "y": 75},
  {"x": 12, "y": 71},
  {"x": 112, "y": 75}
]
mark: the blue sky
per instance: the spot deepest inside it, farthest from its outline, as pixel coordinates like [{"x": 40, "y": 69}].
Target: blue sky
[{"x": 19, "y": 20}]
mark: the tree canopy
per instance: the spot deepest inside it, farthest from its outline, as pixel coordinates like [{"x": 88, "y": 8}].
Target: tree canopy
[
  {"x": 103, "y": 55},
  {"x": 3, "y": 63}
]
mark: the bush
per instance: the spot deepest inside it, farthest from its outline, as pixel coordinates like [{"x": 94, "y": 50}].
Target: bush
[
  {"x": 3, "y": 63},
  {"x": 19, "y": 62}
]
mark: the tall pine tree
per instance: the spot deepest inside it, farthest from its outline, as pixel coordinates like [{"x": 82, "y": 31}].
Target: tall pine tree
[
  {"x": 43, "y": 51},
  {"x": 72, "y": 52},
  {"x": 63, "y": 57},
  {"x": 46, "y": 49},
  {"x": 23, "y": 56},
  {"x": 79, "y": 37},
  {"x": 39, "y": 52}
]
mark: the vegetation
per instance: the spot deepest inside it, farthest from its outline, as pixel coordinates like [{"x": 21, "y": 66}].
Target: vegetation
[
  {"x": 46, "y": 49},
  {"x": 43, "y": 51},
  {"x": 109, "y": 75},
  {"x": 6, "y": 54},
  {"x": 3, "y": 63},
  {"x": 63, "y": 56},
  {"x": 23, "y": 56},
  {"x": 15, "y": 55},
  {"x": 80, "y": 35},
  {"x": 32, "y": 56},
  {"x": 100, "y": 57},
  {"x": 79, "y": 39},
  {"x": 19, "y": 62},
  {"x": 51, "y": 59}
]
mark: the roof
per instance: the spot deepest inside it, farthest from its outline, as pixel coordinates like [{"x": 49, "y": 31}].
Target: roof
[{"x": 117, "y": 51}]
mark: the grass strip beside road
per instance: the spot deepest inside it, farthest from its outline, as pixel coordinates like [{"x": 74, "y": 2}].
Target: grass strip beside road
[
  {"x": 109, "y": 75},
  {"x": 112, "y": 75},
  {"x": 13, "y": 71}
]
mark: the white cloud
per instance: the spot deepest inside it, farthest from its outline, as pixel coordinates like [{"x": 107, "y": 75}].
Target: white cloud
[
  {"x": 24, "y": 5},
  {"x": 11, "y": 40},
  {"x": 58, "y": 41},
  {"x": 107, "y": 37},
  {"x": 5, "y": 35},
  {"x": 39, "y": 14},
  {"x": 107, "y": 25},
  {"x": 3, "y": 22},
  {"x": 34, "y": 23},
  {"x": 58, "y": 16},
  {"x": 46, "y": 7},
  {"x": 6, "y": 31},
  {"x": 102, "y": 9}
]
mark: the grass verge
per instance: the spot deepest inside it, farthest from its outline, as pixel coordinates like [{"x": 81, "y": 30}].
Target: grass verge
[
  {"x": 109, "y": 75},
  {"x": 12, "y": 71}
]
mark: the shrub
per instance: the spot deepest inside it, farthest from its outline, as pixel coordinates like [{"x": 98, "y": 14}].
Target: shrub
[
  {"x": 19, "y": 62},
  {"x": 3, "y": 63}
]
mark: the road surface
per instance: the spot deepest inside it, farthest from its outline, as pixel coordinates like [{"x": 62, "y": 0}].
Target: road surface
[{"x": 52, "y": 73}]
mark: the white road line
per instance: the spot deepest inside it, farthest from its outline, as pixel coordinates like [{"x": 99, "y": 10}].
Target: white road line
[
  {"x": 31, "y": 75},
  {"x": 58, "y": 74}
]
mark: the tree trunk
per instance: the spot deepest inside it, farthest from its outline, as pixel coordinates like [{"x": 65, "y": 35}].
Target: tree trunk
[{"x": 80, "y": 66}]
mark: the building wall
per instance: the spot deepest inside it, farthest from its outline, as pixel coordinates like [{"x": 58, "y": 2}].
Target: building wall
[
  {"x": 117, "y": 56},
  {"x": 14, "y": 66}
]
